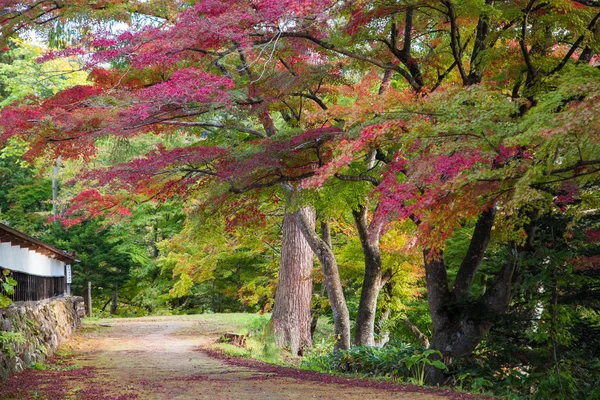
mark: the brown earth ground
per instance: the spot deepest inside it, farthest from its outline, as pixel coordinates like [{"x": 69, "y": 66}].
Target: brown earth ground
[{"x": 163, "y": 358}]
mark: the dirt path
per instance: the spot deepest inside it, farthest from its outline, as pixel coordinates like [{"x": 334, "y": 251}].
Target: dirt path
[{"x": 161, "y": 358}]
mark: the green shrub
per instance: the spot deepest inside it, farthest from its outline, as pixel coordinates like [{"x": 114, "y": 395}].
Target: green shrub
[
  {"x": 261, "y": 331},
  {"x": 397, "y": 361},
  {"x": 38, "y": 366},
  {"x": 8, "y": 339}
]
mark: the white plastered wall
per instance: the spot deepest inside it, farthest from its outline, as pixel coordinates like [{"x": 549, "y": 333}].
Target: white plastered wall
[{"x": 28, "y": 261}]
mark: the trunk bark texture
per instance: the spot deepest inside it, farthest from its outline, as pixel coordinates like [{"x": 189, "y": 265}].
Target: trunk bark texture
[
  {"x": 335, "y": 292},
  {"x": 115, "y": 299},
  {"x": 373, "y": 279},
  {"x": 459, "y": 321},
  {"x": 291, "y": 313}
]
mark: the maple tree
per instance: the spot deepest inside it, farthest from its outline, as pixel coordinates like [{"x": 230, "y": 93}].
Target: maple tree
[{"x": 480, "y": 113}]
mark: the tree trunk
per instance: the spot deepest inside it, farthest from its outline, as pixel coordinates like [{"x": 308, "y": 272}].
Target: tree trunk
[
  {"x": 316, "y": 312},
  {"x": 383, "y": 330},
  {"x": 87, "y": 296},
  {"x": 457, "y": 330},
  {"x": 291, "y": 313},
  {"x": 335, "y": 292},
  {"x": 372, "y": 283},
  {"x": 460, "y": 322},
  {"x": 115, "y": 299}
]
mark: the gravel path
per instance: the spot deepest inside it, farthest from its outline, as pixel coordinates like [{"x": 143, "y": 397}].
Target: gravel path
[{"x": 162, "y": 358}]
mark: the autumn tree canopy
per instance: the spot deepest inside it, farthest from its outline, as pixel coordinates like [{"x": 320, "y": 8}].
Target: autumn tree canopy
[{"x": 444, "y": 113}]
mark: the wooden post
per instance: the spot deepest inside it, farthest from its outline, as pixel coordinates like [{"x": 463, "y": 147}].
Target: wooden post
[
  {"x": 89, "y": 298},
  {"x": 68, "y": 279}
]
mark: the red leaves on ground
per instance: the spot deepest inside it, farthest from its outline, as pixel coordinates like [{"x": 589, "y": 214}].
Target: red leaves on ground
[{"x": 269, "y": 371}]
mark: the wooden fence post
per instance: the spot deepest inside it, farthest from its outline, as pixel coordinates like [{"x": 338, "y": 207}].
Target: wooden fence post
[{"x": 89, "y": 298}]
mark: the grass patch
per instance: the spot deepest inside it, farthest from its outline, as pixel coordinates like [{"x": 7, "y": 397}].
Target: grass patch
[
  {"x": 260, "y": 342},
  {"x": 235, "y": 322},
  {"x": 260, "y": 345}
]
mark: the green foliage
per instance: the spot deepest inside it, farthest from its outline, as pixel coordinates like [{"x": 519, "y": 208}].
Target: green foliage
[
  {"x": 261, "y": 330},
  {"x": 418, "y": 362},
  {"x": 107, "y": 255},
  {"x": 38, "y": 366},
  {"x": 8, "y": 339},
  {"x": 547, "y": 345},
  {"x": 260, "y": 341},
  {"x": 218, "y": 269},
  {"x": 21, "y": 75},
  {"x": 397, "y": 361},
  {"x": 8, "y": 287},
  {"x": 319, "y": 357}
]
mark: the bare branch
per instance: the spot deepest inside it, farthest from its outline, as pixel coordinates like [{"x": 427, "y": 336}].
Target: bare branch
[
  {"x": 357, "y": 56},
  {"x": 455, "y": 40},
  {"x": 591, "y": 3},
  {"x": 214, "y": 125},
  {"x": 592, "y": 28},
  {"x": 531, "y": 72},
  {"x": 474, "y": 256},
  {"x": 358, "y": 178}
]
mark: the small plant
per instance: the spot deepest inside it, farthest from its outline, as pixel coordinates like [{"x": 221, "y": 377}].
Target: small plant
[
  {"x": 38, "y": 366},
  {"x": 261, "y": 330},
  {"x": 8, "y": 287},
  {"x": 418, "y": 362},
  {"x": 320, "y": 357},
  {"x": 8, "y": 339}
]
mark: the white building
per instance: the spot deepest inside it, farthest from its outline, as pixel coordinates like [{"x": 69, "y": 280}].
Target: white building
[{"x": 38, "y": 268}]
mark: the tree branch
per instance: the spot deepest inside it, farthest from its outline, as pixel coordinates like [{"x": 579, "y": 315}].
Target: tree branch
[
  {"x": 262, "y": 185},
  {"x": 592, "y": 28},
  {"x": 477, "y": 247},
  {"x": 455, "y": 40},
  {"x": 582, "y": 163},
  {"x": 531, "y": 72},
  {"x": 436, "y": 279},
  {"x": 483, "y": 30},
  {"x": 312, "y": 97},
  {"x": 591, "y": 3},
  {"x": 355, "y": 55},
  {"x": 408, "y": 23},
  {"x": 213, "y": 125},
  {"x": 358, "y": 178},
  {"x": 421, "y": 338}
]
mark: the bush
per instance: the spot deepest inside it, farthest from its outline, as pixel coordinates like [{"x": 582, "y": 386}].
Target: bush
[{"x": 398, "y": 361}]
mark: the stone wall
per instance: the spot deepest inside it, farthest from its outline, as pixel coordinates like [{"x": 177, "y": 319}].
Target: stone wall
[{"x": 43, "y": 325}]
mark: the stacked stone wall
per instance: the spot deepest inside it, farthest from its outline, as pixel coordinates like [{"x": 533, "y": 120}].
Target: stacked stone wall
[{"x": 31, "y": 331}]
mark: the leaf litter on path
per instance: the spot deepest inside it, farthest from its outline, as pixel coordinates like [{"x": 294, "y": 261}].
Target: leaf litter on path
[{"x": 158, "y": 358}]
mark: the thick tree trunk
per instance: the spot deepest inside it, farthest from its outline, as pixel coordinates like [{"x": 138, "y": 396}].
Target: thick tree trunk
[
  {"x": 367, "y": 307},
  {"x": 457, "y": 330},
  {"x": 115, "y": 299},
  {"x": 291, "y": 313},
  {"x": 459, "y": 321},
  {"x": 372, "y": 283},
  {"x": 335, "y": 292}
]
